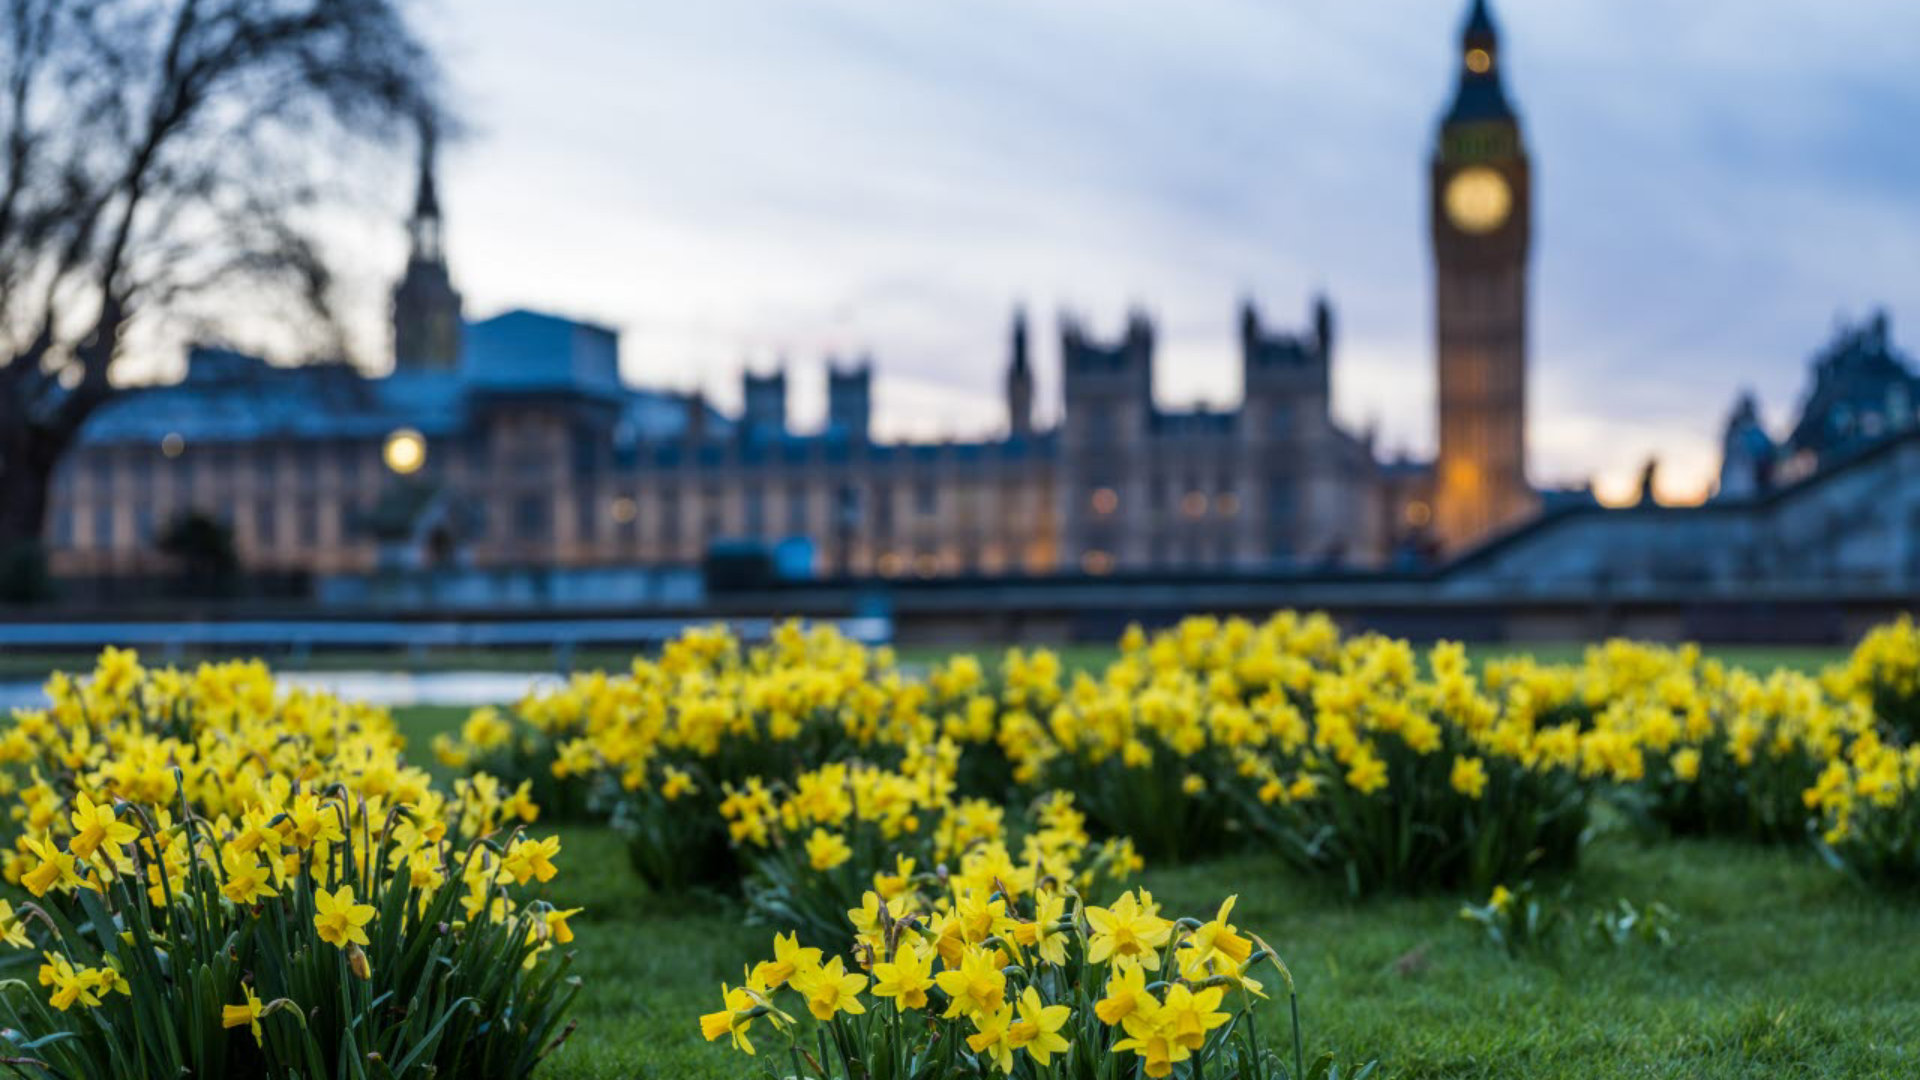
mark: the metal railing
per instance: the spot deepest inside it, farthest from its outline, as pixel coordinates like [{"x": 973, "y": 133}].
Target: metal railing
[{"x": 301, "y": 637}]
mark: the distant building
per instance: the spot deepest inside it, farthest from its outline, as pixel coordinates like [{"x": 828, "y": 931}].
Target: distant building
[
  {"x": 513, "y": 441},
  {"x": 1864, "y": 391},
  {"x": 1274, "y": 483},
  {"x": 1830, "y": 511},
  {"x": 1850, "y": 530},
  {"x": 1748, "y": 456}
]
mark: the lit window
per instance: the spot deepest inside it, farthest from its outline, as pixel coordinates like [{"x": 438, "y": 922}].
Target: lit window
[
  {"x": 1418, "y": 513},
  {"x": 1479, "y": 61},
  {"x": 1105, "y": 501},
  {"x": 1097, "y": 563},
  {"x": 1226, "y": 504},
  {"x": 891, "y": 564},
  {"x": 1194, "y": 504},
  {"x": 623, "y": 510}
]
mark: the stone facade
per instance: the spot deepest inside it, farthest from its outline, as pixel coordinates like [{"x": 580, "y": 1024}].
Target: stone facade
[{"x": 1274, "y": 484}]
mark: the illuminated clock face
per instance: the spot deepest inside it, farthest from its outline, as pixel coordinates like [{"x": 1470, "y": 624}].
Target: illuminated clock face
[{"x": 1478, "y": 200}]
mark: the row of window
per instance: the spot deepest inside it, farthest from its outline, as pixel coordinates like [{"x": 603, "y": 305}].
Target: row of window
[
  {"x": 1194, "y": 502},
  {"x": 281, "y": 524},
  {"x": 524, "y": 454},
  {"x": 1100, "y": 559}
]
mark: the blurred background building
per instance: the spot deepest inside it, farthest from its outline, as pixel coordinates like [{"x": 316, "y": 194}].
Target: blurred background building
[{"x": 513, "y": 442}]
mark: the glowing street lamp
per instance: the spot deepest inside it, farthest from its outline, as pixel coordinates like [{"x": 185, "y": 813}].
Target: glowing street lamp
[{"x": 405, "y": 451}]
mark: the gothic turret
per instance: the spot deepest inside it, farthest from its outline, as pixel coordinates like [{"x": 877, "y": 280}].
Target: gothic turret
[
  {"x": 1020, "y": 381},
  {"x": 1747, "y": 453},
  {"x": 1480, "y": 96},
  {"x": 426, "y": 307},
  {"x": 850, "y": 399}
]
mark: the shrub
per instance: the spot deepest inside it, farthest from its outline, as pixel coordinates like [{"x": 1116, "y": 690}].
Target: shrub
[
  {"x": 982, "y": 985},
  {"x": 1869, "y": 803},
  {"x": 1884, "y": 671},
  {"x": 1401, "y": 783},
  {"x": 814, "y": 847},
  {"x": 1144, "y": 745},
  {"x": 656, "y": 749},
  {"x": 1729, "y": 753},
  {"x": 231, "y": 881}
]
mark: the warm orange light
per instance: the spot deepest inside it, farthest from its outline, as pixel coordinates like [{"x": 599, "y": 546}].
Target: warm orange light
[
  {"x": 1479, "y": 61},
  {"x": 891, "y": 564},
  {"x": 1098, "y": 563},
  {"x": 1418, "y": 513},
  {"x": 1105, "y": 501},
  {"x": 1226, "y": 504},
  {"x": 1194, "y": 504},
  {"x": 624, "y": 510},
  {"x": 1462, "y": 475},
  {"x": 1616, "y": 490}
]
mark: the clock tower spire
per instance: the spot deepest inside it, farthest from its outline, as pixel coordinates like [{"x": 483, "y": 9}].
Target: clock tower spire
[
  {"x": 1482, "y": 228},
  {"x": 426, "y": 306}
]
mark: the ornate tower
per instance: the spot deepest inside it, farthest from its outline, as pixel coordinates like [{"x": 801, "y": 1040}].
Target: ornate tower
[
  {"x": 1481, "y": 210},
  {"x": 1020, "y": 382},
  {"x": 426, "y": 307},
  {"x": 1106, "y": 392},
  {"x": 763, "y": 413},
  {"x": 850, "y": 399}
]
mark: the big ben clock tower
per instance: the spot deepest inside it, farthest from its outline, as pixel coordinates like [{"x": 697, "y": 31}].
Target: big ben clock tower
[{"x": 1481, "y": 210}]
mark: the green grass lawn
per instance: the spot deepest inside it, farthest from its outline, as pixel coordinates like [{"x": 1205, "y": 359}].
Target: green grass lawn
[{"x": 1782, "y": 969}]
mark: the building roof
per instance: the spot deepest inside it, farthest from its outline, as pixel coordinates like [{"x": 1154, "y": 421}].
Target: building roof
[
  {"x": 524, "y": 350},
  {"x": 1481, "y": 97},
  {"x": 1479, "y": 22},
  {"x": 228, "y": 396},
  {"x": 1555, "y": 516}
]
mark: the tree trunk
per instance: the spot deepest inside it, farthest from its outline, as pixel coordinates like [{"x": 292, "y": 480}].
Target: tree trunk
[
  {"x": 26, "y": 478},
  {"x": 32, "y": 443}
]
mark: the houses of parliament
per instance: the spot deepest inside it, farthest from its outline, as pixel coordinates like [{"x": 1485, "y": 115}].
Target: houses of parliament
[{"x": 513, "y": 440}]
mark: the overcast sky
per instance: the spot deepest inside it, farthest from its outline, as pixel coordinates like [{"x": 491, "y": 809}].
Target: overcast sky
[{"x": 740, "y": 181}]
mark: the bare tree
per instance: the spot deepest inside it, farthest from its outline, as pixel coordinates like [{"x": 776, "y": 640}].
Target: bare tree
[{"x": 152, "y": 150}]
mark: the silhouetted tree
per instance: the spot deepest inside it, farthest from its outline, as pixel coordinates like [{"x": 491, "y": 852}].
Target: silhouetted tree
[
  {"x": 203, "y": 547},
  {"x": 155, "y": 149}
]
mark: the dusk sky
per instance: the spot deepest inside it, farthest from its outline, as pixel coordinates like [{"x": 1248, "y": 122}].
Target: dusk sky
[{"x": 732, "y": 182}]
